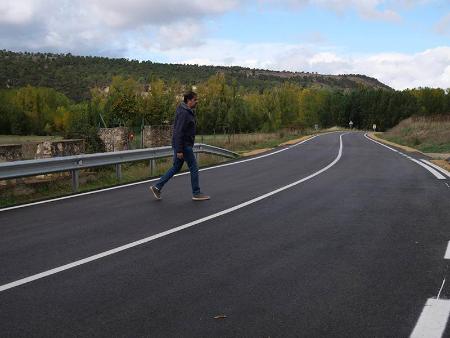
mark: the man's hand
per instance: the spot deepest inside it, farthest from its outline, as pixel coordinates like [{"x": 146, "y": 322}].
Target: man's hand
[{"x": 180, "y": 156}]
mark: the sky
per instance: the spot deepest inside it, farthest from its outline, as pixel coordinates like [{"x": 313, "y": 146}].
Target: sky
[{"x": 404, "y": 43}]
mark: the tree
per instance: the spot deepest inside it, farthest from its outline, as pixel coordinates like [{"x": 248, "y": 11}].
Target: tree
[{"x": 123, "y": 102}]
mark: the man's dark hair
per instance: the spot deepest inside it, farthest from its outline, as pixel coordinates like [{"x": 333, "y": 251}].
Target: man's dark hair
[{"x": 189, "y": 96}]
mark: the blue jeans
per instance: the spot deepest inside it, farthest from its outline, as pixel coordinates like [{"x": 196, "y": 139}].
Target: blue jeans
[{"x": 189, "y": 157}]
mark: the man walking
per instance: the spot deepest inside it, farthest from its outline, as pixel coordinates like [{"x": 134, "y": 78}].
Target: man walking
[{"x": 182, "y": 142}]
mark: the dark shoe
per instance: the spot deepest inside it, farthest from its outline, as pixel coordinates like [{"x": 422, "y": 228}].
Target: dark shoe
[
  {"x": 156, "y": 192},
  {"x": 200, "y": 197}
]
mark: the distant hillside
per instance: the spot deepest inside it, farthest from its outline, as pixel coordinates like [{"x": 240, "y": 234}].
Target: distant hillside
[{"x": 75, "y": 75}]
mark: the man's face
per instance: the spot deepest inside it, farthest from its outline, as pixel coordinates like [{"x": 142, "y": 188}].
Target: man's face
[{"x": 192, "y": 103}]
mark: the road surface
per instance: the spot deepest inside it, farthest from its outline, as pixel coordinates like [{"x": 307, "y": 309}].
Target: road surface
[{"x": 335, "y": 237}]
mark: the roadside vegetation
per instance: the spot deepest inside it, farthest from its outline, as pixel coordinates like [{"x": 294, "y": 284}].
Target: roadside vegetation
[{"x": 427, "y": 134}]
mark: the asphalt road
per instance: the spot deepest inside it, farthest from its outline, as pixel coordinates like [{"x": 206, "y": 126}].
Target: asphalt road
[{"x": 336, "y": 240}]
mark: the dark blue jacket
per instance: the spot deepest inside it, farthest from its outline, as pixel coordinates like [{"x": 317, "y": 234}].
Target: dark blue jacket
[{"x": 183, "y": 128}]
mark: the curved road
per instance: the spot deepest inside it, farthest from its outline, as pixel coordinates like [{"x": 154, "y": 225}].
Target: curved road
[{"x": 335, "y": 237}]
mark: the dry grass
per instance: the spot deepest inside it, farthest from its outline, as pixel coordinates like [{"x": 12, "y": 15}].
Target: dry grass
[
  {"x": 377, "y": 136},
  {"x": 427, "y": 134},
  {"x": 250, "y": 141}
]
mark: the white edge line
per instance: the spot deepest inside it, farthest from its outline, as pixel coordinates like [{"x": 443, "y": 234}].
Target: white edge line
[
  {"x": 447, "y": 253},
  {"x": 433, "y": 319},
  {"x": 168, "y": 232},
  {"x": 442, "y": 170},
  {"x": 437, "y": 174},
  {"x": 154, "y": 179}
]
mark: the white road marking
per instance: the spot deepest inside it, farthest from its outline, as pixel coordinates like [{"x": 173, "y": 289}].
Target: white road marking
[
  {"x": 168, "y": 232},
  {"x": 437, "y": 174},
  {"x": 433, "y": 319},
  {"x": 440, "y": 290},
  {"x": 154, "y": 179},
  {"x": 442, "y": 170},
  {"x": 447, "y": 253}
]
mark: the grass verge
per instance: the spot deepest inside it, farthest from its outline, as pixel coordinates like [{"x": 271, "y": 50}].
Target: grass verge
[
  {"x": 426, "y": 134},
  {"x": 17, "y": 139}
]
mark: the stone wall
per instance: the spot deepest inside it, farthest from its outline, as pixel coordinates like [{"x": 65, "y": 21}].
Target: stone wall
[
  {"x": 11, "y": 152},
  {"x": 34, "y": 150},
  {"x": 49, "y": 149},
  {"x": 114, "y": 139},
  {"x": 157, "y": 136},
  {"x": 29, "y": 150}
]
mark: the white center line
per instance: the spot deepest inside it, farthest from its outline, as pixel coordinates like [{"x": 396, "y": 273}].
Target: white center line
[
  {"x": 433, "y": 319},
  {"x": 447, "y": 253},
  {"x": 168, "y": 232}
]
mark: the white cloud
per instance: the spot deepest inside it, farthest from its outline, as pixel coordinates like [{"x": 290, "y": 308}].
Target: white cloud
[
  {"x": 93, "y": 26},
  {"x": 119, "y": 13},
  {"x": 424, "y": 69},
  {"x": 367, "y": 9},
  {"x": 16, "y": 12},
  {"x": 180, "y": 34}
]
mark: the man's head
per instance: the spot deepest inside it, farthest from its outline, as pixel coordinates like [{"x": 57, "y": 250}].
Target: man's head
[{"x": 190, "y": 98}]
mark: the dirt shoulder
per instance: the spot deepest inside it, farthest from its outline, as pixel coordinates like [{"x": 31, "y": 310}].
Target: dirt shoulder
[
  {"x": 255, "y": 152},
  {"x": 290, "y": 142},
  {"x": 297, "y": 140}
]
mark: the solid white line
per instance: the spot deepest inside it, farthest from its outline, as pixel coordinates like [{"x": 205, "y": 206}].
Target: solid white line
[
  {"x": 440, "y": 290},
  {"x": 431, "y": 170},
  {"x": 153, "y": 179},
  {"x": 433, "y": 319},
  {"x": 442, "y": 170},
  {"x": 168, "y": 232},
  {"x": 447, "y": 253}
]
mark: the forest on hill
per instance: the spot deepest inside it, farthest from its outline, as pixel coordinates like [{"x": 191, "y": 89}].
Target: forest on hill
[{"x": 74, "y": 76}]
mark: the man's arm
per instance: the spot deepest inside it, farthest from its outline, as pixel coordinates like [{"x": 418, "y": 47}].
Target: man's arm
[{"x": 178, "y": 134}]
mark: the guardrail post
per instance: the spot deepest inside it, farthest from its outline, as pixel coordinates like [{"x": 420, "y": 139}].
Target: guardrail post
[
  {"x": 197, "y": 154},
  {"x": 75, "y": 180},
  {"x": 118, "y": 171},
  {"x": 152, "y": 167}
]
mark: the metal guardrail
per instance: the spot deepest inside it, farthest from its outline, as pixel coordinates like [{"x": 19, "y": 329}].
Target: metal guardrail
[{"x": 17, "y": 169}]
